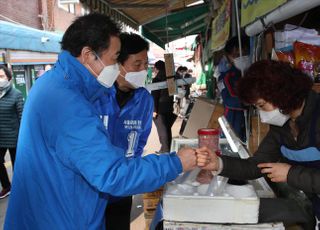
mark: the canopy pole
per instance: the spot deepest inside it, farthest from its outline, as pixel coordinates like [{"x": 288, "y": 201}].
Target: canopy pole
[
  {"x": 245, "y": 112},
  {"x": 238, "y": 29},
  {"x": 167, "y": 29}
]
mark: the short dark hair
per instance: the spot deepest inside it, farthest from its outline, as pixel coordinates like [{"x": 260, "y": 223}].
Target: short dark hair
[
  {"x": 234, "y": 43},
  {"x": 160, "y": 65},
  {"x": 92, "y": 30},
  {"x": 180, "y": 68},
  {"x": 184, "y": 68},
  {"x": 131, "y": 44},
  {"x": 276, "y": 82},
  {"x": 6, "y": 71}
]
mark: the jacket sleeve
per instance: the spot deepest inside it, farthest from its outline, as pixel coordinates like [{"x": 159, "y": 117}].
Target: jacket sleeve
[
  {"x": 82, "y": 144},
  {"x": 246, "y": 169},
  {"x": 147, "y": 128},
  {"x": 228, "y": 94},
  {"x": 19, "y": 105},
  {"x": 305, "y": 179}
]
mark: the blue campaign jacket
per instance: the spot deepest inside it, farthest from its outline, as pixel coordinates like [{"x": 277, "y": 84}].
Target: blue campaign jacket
[
  {"x": 66, "y": 164},
  {"x": 130, "y": 126}
]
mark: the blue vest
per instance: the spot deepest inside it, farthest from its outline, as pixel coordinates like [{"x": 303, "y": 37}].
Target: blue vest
[{"x": 128, "y": 127}]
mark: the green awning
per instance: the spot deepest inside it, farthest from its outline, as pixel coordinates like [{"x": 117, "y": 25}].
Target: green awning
[{"x": 179, "y": 24}]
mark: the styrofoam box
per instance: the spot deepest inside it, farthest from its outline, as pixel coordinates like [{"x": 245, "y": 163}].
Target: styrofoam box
[
  {"x": 207, "y": 209},
  {"x": 167, "y": 225},
  {"x": 183, "y": 201}
]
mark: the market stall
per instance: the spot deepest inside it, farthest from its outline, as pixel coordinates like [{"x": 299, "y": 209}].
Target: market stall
[{"x": 272, "y": 38}]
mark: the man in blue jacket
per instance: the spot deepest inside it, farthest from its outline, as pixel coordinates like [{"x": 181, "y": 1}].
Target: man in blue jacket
[
  {"x": 66, "y": 165},
  {"x": 127, "y": 114}
]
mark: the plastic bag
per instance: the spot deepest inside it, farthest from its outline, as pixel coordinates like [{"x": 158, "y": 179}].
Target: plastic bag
[
  {"x": 286, "y": 56},
  {"x": 307, "y": 58}
]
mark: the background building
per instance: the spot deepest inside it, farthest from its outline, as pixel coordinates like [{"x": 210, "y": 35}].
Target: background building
[{"x": 30, "y": 35}]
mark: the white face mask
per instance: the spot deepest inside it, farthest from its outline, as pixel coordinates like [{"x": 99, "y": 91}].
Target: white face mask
[
  {"x": 136, "y": 79},
  {"x": 4, "y": 83},
  {"x": 108, "y": 75},
  {"x": 274, "y": 117},
  {"x": 242, "y": 63}
]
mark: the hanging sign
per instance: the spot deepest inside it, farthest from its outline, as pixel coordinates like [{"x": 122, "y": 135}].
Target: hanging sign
[
  {"x": 221, "y": 27},
  {"x": 170, "y": 73},
  {"x": 253, "y": 9}
]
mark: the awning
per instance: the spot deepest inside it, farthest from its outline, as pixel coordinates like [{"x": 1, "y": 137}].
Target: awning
[
  {"x": 185, "y": 22},
  {"x": 19, "y": 37},
  {"x": 283, "y": 12},
  {"x": 23, "y": 57},
  {"x": 151, "y": 14}
]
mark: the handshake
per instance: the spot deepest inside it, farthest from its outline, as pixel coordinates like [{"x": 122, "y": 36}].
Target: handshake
[{"x": 203, "y": 158}]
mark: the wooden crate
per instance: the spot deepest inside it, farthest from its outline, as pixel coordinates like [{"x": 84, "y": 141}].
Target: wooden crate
[
  {"x": 150, "y": 203},
  {"x": 147, "y": 224},
  {"x": 149, "y": 214},
  {"x": 156, "y": 194}
]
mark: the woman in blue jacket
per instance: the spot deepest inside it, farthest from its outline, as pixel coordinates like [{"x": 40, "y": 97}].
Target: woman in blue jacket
[{"x": 127, "y": 114}]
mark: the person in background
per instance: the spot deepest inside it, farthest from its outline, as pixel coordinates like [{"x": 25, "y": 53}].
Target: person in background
[
  {"x": 11, "y": 106},
  {"x": 127, "y": 113},
  {"x": 66, "y": 166},
  {"x": 230, "y": 74},
  {"x": 183, "y": 73},
  {"x": 163, "y": 115},
  {"x": 178, "y": 98},
  {"x": 47, "y": 67},
  {"x": 290, "y": 152},
  {"x": 185, "y": 99},
  {"x": 41, "y": 72},
  {"x": 179, "y": 72}
]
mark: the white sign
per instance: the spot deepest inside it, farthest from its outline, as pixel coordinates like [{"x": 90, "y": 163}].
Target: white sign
[{"x": 164, "y": 85}]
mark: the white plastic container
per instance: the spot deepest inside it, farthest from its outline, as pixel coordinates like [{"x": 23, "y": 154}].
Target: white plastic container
[
  {"x": 167, "y": 225},
  {"x": 226, "y": 207}
]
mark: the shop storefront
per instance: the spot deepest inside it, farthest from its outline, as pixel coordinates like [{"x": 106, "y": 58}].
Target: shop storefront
[
  {"x": 27, "y": 56},
  {"x": 27, "y": 66}
]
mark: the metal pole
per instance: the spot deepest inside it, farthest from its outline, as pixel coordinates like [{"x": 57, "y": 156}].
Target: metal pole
[
  {"x": 238, "y": 29},
  {"x": 245, "y": 112}
]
